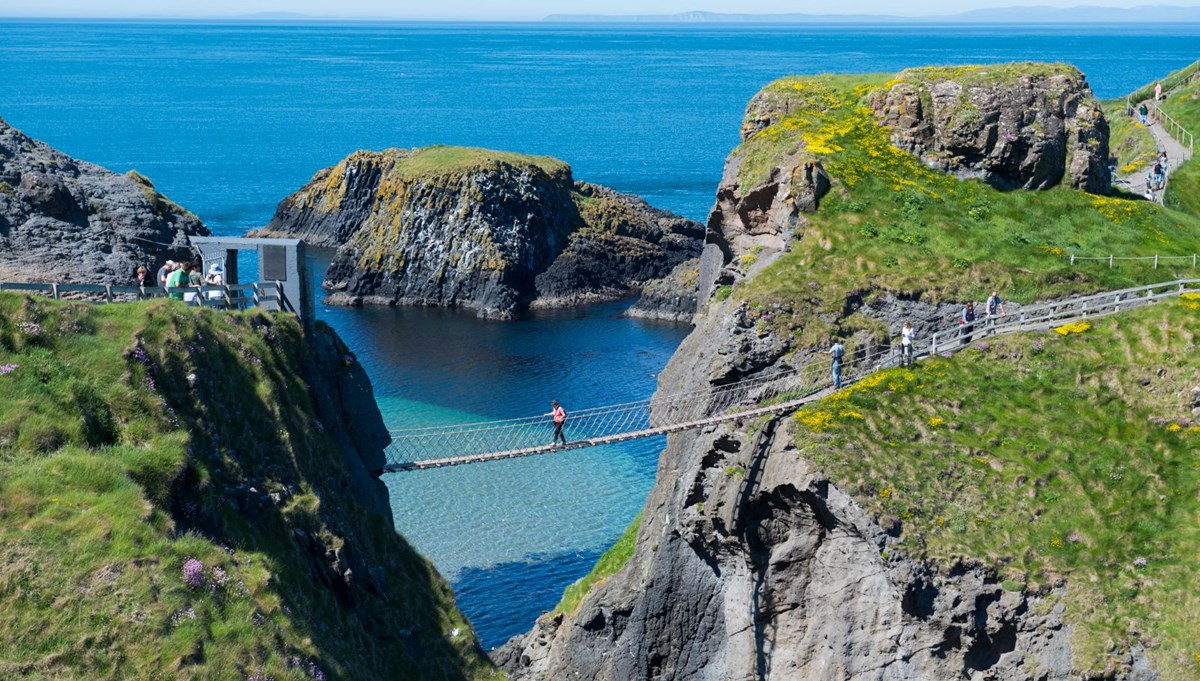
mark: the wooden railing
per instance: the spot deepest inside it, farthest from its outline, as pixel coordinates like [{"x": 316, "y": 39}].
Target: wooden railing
[
  {"x": 1112, "y": 260},
  {"x": 267, "y": 295},
  {"x": 1060, "y": 312}
]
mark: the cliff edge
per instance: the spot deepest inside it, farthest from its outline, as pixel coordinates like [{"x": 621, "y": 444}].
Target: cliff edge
[{"x": 195, "y": 495}]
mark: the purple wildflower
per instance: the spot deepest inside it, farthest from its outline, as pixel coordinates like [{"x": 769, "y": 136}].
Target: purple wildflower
[
  {"x": 193, "y": 573},
  {"x": 258, "y": 675},
  {"x": 140, "y": 355},
  {"x": 315, "y": 672},
  {"x": 1140, "y": 561},
  {"x": 6, "y": 369},
  {"x": 30, "y": 328},
  {"x": 983, "y": 347},
  {"x": 947, "y": 355},
  {"x": 1075, "y": 538},
  {"x": 219, "y": 577},
  {"x": 258, "y": 619},
  {"x": 179, "y": 616}
]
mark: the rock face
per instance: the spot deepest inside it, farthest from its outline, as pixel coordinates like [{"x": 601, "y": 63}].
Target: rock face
[
  {"x": 1016, "y": 126},
  {"x": 774, "y": 573},
  {"x": 672, "y": 298},
  {"x": 489, "y": 231},
  {"x": 749, "y": 562},
  {"x": 67, "y": 220}
]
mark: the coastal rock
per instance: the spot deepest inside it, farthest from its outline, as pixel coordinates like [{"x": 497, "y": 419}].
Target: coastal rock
[
  {"x": 66, "y": 220},
  {"x": 672, "y": 298},
  {"x": 774, "y": 572},
  {"x": 494, "y": 232},
  {"x": 1016, "y": 126}
]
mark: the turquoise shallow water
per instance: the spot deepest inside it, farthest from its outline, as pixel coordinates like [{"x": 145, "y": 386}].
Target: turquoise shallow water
[{"x": 228, "y": 119}]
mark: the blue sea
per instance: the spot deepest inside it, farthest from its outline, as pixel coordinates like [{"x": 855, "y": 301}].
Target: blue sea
[{"x": 227, "y": 119}]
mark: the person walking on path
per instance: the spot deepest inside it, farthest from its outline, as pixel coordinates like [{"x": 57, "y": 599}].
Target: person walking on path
[
  {"x": 1158, "y": 176},
  {"x": 1158, "y": 92},
  {"x": 906, "y": 344},
  {"x": 837, "y": 352},
  {"x": 1144, "y": 111},
  {"x": 967, "y": 323},
  {"x": 559, "y": 415}
]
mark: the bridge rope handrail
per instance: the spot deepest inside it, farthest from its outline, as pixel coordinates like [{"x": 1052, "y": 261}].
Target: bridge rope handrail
[{"x": 660, "y": 414}]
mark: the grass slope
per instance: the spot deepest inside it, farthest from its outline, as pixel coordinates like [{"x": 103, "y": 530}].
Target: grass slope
[
  {"x": 130, "y": 436},
  {"x": 1183, "y": 187},
  {"x": 1129, "y": 141},
  {"x": 1049, "y": 457},
  {"x": 608, "y": 565},
  {"x": 890, "y": 223}
]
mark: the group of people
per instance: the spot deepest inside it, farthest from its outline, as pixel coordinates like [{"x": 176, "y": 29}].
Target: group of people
[
  {"x": 1156, "y": 177},
  {"x": 993, "y": 308},
  {"x": 176, "y": 275}
]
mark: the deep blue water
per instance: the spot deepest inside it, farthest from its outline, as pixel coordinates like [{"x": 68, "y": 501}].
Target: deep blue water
[{"x": 228, "y": 119}]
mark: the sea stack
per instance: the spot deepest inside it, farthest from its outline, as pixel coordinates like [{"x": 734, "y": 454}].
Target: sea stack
[{"x": 494, "y": 232}]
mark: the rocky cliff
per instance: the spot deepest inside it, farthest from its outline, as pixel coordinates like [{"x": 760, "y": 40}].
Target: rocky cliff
[
  {"x": 205, "y": 487},
  {"x": 781, "y": 548},
  {"x": 1028, "y": 126},
  {"x": 62, "y": 219},
  {"x": 489, "y": 231}
]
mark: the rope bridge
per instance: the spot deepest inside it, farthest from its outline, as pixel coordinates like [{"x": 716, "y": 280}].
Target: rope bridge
[{"x": 781, "y": 391}]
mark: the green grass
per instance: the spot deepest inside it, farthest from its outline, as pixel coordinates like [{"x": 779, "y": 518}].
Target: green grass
[
  {"x": 126, "y": 432},
  {"x": 1129, "y": 140},
  {"x": 890, "y": 223},
  {"x": 609, "y": 564},
  {"x": 1049, "y": 457},
  {"x": 1183, "y": 186},
  {"x": 442, "y": 159},
  {"x": 1170, "y": 81}
]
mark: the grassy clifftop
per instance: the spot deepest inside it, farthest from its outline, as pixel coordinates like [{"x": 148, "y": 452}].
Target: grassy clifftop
[
  {"x": 1049, "y": 457},
  {"x": 892, "y": 223},
  {"x": 172, "y": 506}
]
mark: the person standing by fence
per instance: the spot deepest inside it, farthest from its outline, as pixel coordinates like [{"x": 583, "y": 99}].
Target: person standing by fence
[
  {"x": 1144, "y": 111},
  {"x": 967, "y": 323},
  {"x": 1158, "y": 92},
  {"x": 559, "y": 416},
  {"x": 837, "y": 352},
  {"x": 906, "y": 344}
]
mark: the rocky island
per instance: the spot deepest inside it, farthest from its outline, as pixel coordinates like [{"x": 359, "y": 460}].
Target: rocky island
[
  {"x": 66, "y": 220},
  {"x": 493, "y": 232},
  {"x": 962, "y": 519}
]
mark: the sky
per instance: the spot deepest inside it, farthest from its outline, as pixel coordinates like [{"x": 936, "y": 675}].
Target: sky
[{"x": 515, "y": 10}]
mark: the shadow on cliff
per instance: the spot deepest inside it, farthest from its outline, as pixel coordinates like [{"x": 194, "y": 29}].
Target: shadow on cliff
[{"x": 273, "y": 469}]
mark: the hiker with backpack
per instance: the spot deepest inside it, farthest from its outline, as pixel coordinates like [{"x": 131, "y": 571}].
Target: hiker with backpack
[{"x": 837, "y": 352}]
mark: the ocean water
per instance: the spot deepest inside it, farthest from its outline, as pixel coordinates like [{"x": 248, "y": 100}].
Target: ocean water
[{"x": 227, "y": 119}]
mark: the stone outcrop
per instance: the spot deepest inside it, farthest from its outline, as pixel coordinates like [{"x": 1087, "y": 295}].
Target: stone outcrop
[
  {"x": 1016, "y": 126},
  {"x": 494, "y": 232},
  {"x": 770, "y": 571},
  {"x": 672, "y": 298},
  {"x": 66, "y": 220}
]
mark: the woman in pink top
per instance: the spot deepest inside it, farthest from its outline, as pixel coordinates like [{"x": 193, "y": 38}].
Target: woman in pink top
[{"x": 560, "y": 418}]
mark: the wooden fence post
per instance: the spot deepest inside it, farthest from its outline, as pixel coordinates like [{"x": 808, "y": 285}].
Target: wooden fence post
[
  {"x": 108, "y": 293},
  {"x": 1110, "y": 261}
]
